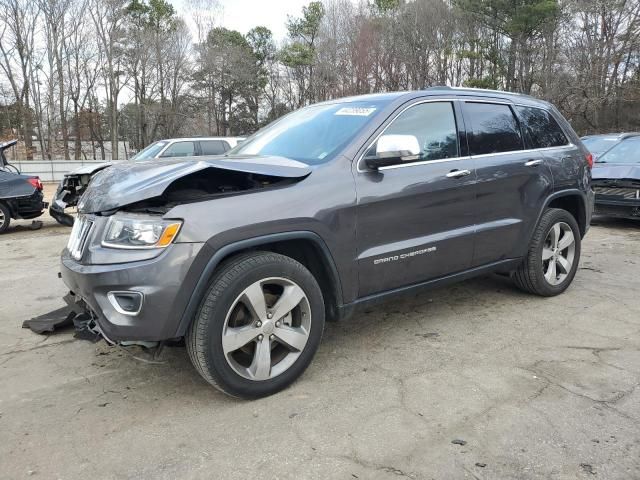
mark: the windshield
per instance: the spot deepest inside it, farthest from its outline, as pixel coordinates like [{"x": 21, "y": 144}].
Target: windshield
[
  {"x": 599, "y": 145},
  {"x": 627, "y": 151},
  {"x": 312, "y": 134},
  {"x": 150, "y": 152}
]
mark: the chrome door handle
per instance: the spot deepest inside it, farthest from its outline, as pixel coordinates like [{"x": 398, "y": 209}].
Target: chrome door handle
[
  {"x": 533, "y": 163},
  {"x": 458, "y": 173}
]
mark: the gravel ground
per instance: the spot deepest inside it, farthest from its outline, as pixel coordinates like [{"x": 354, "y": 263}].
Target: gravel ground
[{"x": 473, "y": 381}]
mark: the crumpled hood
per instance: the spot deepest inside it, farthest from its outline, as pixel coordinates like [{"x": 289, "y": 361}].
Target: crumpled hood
[
  {"x": 90, "y": 169},
  {"x": 130, "y": 182},
  {"x": 616, "y": 171}
]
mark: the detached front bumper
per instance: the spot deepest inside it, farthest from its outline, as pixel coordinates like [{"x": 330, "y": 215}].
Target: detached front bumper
[
  {"x": 160, "y": 287},
  {"x": 56, "y": 210},
  {"x": 61, "y": 200},
  {"x": 617, "y": 208}
]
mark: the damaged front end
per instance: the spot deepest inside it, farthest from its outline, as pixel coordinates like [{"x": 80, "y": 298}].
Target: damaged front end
[
  {"x": 125, "y": 262},
  {"x": 71, "y": 188}
]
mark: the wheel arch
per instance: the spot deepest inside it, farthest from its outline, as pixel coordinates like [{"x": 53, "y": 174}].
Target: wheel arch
[
  {"x": 574, "y": 202},
  {"x": 306, "y": 247},
  {"x": 10, "y": 204}
]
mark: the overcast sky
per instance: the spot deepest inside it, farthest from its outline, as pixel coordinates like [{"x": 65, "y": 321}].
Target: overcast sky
[{"x": 243, "y": 15}]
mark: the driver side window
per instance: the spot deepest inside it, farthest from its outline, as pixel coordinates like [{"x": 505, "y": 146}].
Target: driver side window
[
  {"x": 433, "y": 124},
  {"x": 180, "y": 149}
]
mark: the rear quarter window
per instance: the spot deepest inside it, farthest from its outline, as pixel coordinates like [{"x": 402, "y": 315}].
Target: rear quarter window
[
  {"x": 494, "y": 128},
  {"x": 540, "y": 128}
]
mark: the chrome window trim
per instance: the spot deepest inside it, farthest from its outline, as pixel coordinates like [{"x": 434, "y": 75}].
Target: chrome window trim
[
  {"x": 528, "y": 150},
  {"x": 468, "y": 157},
  {"x": 423, "y": 162}
]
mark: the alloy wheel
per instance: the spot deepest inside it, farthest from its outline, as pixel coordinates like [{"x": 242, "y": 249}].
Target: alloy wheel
[
  {"x": 558, "y": 253},
  {"x": 266, "y": 328}
]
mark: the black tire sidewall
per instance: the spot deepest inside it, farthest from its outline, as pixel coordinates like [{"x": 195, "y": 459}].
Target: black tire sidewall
[
  {"x": 556, "y": 216},
  {"x": 214, "y": 324},
  {"x": 7, "y": 217}
]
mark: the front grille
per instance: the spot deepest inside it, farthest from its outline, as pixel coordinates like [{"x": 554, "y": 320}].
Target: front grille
[
  {"x": 624, "y": 192},
  {"x": 79, "y": 236}
]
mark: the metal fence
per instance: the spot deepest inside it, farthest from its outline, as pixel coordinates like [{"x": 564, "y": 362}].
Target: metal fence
[{"x": 53, "y": 170}]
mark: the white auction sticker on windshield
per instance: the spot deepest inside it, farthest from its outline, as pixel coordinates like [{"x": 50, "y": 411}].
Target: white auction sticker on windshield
[{"x": 357, "y": 111}]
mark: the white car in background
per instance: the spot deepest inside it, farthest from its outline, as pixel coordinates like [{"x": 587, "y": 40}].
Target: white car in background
[
  {"x": 74, "y": 183},
  {"x": 187, "y": 147}
]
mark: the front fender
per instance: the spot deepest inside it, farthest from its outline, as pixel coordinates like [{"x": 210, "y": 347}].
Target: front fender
[{"x": 204, "y": 267}]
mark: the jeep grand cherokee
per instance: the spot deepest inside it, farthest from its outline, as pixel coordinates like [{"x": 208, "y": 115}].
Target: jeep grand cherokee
[{"x": 327, "y": 209}]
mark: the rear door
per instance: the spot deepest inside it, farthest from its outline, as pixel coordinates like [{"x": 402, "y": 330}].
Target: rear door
[
  {"x": 543, "y": 132},
  {"x": 415, "y": 220},
  {"x": 513, "y": 181}
]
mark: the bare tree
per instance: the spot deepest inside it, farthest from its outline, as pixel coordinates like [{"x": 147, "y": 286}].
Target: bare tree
[
  {"x": 17, "y": 35},
  {"x": 108, "y": 18}
]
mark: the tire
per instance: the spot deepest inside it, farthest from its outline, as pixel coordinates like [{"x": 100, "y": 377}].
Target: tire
[
  {"x": 5, "y": 217},
  {"x": 534, "y": 275},
  {"x": 229, "y": 314}
]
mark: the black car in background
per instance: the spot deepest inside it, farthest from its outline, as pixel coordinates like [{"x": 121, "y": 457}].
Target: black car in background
[
  {"x": 598, "y": 145},
  {"x": 616, "y": 179},
  {"x": 20, "y": 195}
]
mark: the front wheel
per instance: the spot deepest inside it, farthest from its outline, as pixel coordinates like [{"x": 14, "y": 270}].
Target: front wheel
[
  {"x": 258, "y": 326},
  {"x": 553, "y": 256}
]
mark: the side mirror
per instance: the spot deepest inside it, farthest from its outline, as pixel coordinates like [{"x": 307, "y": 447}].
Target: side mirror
[{"x": 394, "y": 149}]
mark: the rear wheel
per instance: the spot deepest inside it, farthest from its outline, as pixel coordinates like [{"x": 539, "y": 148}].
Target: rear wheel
[
  {"x": 553, "y": 256},
  {"x": 5, "y": 217},
  {"x": 258, "y": 326}
]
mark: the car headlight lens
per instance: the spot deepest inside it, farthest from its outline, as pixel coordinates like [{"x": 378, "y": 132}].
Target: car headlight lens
[{"x": 125, "y": 232}]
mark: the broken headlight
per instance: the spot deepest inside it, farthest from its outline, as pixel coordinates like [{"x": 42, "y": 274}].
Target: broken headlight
[{"x": 131, "y": 232}]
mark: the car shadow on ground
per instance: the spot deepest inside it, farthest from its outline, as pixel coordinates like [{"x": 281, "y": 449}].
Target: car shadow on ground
[
  {"x": 411, "y": 319},
  {"x": 613, "y": 222}
]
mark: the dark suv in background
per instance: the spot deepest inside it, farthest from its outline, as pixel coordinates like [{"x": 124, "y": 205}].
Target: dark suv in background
[{"x": 329, "y": 208}]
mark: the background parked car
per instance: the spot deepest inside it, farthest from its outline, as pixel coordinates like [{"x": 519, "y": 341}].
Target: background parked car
[
  {"x": 616, "y": 179},
  {"x": 598, "y": 145},
  {"x": 74, "y": 183},
  {"x": 20, "y": 195}
]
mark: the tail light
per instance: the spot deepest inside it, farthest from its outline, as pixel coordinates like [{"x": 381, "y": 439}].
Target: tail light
[
  {"x": 35, "y": 181},
  {"x": 589, "y": 158}
]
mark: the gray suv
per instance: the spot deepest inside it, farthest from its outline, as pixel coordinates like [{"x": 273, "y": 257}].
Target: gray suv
[{"x": 328, "y": 209}]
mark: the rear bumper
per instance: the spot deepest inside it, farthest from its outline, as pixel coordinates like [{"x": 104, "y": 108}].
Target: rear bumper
[
  {"x": 30, "y": 207},
  {"x": 159, "y": 282}
]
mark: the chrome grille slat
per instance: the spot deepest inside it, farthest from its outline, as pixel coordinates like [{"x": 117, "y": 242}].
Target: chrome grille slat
[
  {"x": 79, "y": 236},
  {"x": 626, "y": 192}
]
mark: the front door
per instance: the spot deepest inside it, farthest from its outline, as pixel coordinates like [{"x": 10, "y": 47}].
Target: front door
[{"x": 415, "y": 220}]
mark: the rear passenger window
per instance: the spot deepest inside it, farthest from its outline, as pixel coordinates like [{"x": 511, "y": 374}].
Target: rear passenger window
[
  {"x": 494, "y": 128},
  {"x": 540, "y": 128},
  {"x": 213, "y": 147}
]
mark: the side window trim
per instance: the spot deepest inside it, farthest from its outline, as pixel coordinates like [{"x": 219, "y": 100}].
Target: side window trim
[
  {"x": 403, "y": 108},
  {"x": 161, "y": 152}
]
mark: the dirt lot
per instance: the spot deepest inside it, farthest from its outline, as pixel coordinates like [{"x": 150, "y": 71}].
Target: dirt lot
[{"x": 537, "y": 388}]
